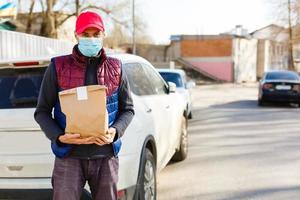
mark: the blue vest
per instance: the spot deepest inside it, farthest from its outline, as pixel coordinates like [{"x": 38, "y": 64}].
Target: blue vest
[{"x": 112, "y": 103}]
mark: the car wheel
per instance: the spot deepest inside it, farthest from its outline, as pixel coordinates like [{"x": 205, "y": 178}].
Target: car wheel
[
  {"x": 146, "y": 185},
  {"x": 190, "y": 116},
  {"x": 260, "y": 102},
  {"x": 181, "y": 154}
]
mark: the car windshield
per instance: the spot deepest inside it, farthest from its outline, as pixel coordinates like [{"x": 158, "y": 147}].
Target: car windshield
[
  {"x": 20, "y": 87},
  {"x": 172, "y": 77},
  {"x": 282, "y": 76}
]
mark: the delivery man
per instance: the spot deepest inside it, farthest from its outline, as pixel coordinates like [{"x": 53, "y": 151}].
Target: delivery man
[{"x": 92, "y": 159}]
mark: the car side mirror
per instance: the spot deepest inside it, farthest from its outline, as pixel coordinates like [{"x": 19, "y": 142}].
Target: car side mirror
[
  {"x": 190, "y": 84},
  {"x": 172, "y": 87}
]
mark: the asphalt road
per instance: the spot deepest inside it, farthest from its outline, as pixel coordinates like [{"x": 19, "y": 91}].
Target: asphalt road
[{"x": 237, "y": 150}]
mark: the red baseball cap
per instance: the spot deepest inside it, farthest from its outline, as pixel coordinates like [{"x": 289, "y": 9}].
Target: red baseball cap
[{"x": 87, "y": 20}]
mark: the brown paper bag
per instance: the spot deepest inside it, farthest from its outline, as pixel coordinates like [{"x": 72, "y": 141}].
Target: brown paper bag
[{"x": 85, "y": 110}]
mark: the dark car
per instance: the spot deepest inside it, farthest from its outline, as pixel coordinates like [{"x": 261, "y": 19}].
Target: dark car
[{"x": 279, "y": 86}]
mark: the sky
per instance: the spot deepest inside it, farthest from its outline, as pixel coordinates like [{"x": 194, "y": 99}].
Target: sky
[
  {"x": 167, "y": 17},
  {"x": 174, "y": 17}
]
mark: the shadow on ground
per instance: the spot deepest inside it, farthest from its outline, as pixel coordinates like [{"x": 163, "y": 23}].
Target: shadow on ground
[
  {"x": 273, "y": 193},
  {"x": 26, "y": 194}
]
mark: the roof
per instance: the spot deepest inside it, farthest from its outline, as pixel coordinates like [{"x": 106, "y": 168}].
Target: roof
[
  {"x": 7, "y": 26},
  {"x": 280, "y": 71},
  {"x": 271, "y": 32},
  {"x": 128, "y": 58},
  {"x": 21, "y": 46},
  {"x": 200, "y": 37},
  {"x": 268, "y": 26}
]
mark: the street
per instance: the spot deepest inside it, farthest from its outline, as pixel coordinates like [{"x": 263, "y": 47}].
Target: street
[{"x": 237, "y": 150}]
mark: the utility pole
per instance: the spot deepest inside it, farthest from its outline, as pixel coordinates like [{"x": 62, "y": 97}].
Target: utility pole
[
  {"x": 291, "y": 50},
  {"x": 133, "y": 28}
]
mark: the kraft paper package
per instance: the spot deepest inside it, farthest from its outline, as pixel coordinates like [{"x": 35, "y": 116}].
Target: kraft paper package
[{"x": 85, "y": 110}]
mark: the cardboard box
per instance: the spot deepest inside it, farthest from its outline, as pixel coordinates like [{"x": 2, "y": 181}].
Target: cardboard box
[{"x": 85, "y": 110}]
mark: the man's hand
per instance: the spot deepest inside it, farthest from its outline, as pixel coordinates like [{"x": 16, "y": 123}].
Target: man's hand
[
  {"x": 108, "y": 138},
  {"x": 75, "y": 139}
]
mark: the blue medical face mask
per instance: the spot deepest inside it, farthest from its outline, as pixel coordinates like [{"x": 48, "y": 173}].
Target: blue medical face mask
[{"x": 90, "y": 46}]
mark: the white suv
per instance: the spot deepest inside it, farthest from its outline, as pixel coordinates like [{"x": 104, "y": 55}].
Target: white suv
[{"x": 156, "y": 134}]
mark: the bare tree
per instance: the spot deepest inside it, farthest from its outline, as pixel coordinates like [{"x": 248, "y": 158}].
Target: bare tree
[
  {"x": 116, "y": 37},
  {"x": 54, "y": 13},
  {"x": 30, "y": 16},
  {"x": 53, "y": 19},
  {"x": 287, "y": 13},
  {"x": 77, "y": 6},
  {"x": 48, "y": 29},
  {"x": 291, "y": 65},
  {"x": 122, "y": 34}
]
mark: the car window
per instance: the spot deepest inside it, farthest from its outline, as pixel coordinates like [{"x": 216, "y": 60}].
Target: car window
[
  {"x": 172, "y": 77},
  {"x": 138, "y": 81},
  {"x": 157, "y": 82},
  {"x": 282, "y": 76},
  {"x": 20, "y": 87}
]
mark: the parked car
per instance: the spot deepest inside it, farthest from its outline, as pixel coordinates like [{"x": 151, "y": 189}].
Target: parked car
[
  {"x": 178, "y": 77},
  {"x": 157, "y": 133},
  {"x": 279, "y": 86}
]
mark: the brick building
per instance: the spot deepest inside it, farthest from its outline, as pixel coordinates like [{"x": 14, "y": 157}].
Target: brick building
[{"x": 216, "y": 56}]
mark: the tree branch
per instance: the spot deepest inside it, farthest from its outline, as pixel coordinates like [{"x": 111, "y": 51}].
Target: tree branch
[
  {"x": 66, "y": 3},
  {"x": 30, "y": 17},
  {"x": 42, "y": 5},
  {"x": 108, "y": 12},
  {"x": 65, "y": 19}
]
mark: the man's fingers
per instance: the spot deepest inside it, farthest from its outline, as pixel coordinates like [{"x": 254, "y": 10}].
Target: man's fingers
[
  {"x": 76, "y": 135},
  {"x": 89, "y": 140},
  {"x": 100, "y": 142},
  {"x": 75, "y": 139},
  {"x": 105, "y": 139},
  {"x": 111, "y": 131},
  {"x": 107, "y": 136}
]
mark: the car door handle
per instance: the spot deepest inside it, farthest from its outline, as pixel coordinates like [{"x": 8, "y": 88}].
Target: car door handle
[
  {"x": 168, "y": 106},
  {"x": 149, "y": 110}
]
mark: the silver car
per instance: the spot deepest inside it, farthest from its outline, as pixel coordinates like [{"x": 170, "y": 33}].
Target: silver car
[{"x": 178, "y": 77}]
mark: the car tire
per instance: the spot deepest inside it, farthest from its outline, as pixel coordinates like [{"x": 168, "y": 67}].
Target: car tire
[
  {"x": 260, "y": 102},
  {"x": 190, "y": 116},
  {"x": 146, "y": 184},
  {"x": 181, "y": 154}
]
